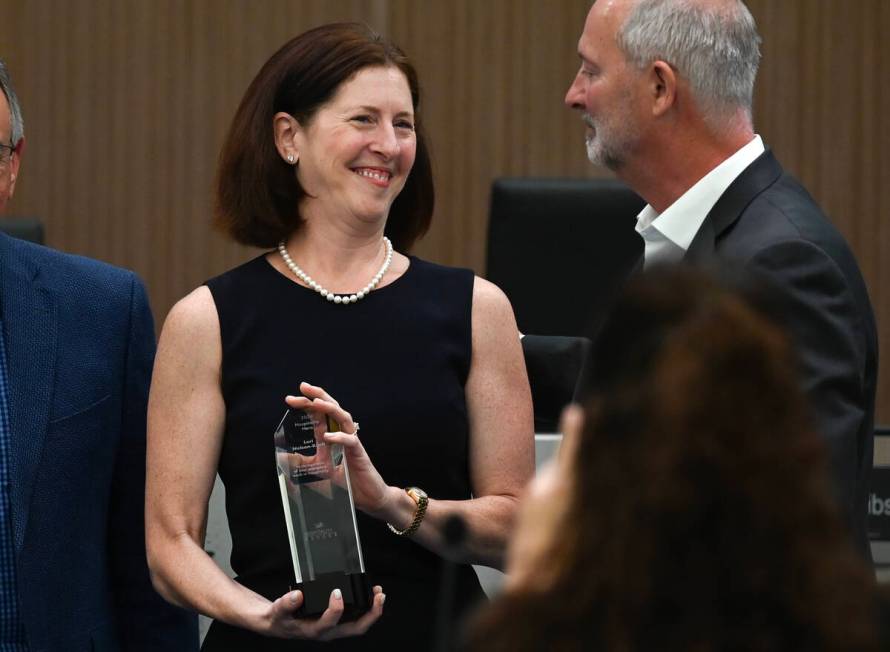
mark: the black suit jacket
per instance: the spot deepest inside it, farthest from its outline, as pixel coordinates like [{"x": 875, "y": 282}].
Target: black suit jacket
[{"x": 767, "y": 222}]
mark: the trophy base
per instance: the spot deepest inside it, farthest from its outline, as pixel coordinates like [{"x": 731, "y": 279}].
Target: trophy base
[{"x": 357, "y": 594}]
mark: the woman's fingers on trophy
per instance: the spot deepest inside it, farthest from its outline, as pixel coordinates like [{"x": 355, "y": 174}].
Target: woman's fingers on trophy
[
  {"x": 316, "y": 398},
  {"x": 343, "y": 419},
  {"x": 326, "y": 625},
  {"x": 361, "y": 625},
  {"x": 338, "y": 414},
  {"x": 289, "y": 602},
  {"x": 348, "y": 440},
  {"x": 283, "y": 613},
  {"x": 309, "y": 393},
  {"x": 314, "y": 391},
  {"x": 298, "y": 402}
]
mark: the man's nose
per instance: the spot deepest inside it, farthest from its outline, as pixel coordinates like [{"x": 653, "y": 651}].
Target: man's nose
[{"x": 574, "y": 98}]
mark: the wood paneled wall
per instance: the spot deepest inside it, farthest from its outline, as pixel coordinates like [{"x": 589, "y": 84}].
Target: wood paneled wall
[{"x": 126, "y": 103}]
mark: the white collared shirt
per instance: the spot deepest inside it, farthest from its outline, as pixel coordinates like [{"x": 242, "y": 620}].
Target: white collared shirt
[{"x": 668, "y": 235}]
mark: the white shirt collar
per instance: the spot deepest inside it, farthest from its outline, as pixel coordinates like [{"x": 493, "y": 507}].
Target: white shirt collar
[{"x": 668, "y": 235}]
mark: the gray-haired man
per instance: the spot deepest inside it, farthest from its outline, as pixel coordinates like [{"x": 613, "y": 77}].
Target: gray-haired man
[
  {"x": 665, "y": 89},
  {"x": 76, "y": 349}
]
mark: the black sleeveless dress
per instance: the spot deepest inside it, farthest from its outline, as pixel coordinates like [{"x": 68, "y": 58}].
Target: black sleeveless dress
[{"x": 398, "y": 361}]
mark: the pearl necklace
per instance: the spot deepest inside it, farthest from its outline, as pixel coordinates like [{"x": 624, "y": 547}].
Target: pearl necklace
[{"x": 327, "y": 294}]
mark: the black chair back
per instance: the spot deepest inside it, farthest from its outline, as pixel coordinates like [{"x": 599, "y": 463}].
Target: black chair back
[
  {"x": 560, "y": 247},
  {"x": 554, "y": 366}
]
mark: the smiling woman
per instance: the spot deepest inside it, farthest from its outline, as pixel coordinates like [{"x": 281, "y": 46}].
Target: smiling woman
[
  {"x": 357, "y": 151},
  {"x": 258, "y": 202},
  {"x": 326, "y": 164}
]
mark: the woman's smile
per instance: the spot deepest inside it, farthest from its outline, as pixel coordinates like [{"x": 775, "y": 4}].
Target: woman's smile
[
  {"x": 378, "y": 176},
  {"x": 367, "y": 129}
]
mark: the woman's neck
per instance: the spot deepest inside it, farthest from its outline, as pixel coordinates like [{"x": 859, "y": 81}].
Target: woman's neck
[{"x": 341, "y": 258}]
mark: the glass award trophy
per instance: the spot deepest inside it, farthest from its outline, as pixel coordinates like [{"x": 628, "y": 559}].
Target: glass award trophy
[{"x": 320, "y": 515}]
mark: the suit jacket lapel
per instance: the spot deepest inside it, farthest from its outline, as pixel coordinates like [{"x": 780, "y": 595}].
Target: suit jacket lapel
[
  {"x": 756, "y": 178},
  {"x": 636, "y": 267},
  {"x": 29, "y": 331}
]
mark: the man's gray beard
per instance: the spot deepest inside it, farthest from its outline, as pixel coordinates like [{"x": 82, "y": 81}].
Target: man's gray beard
[{"x": 603, "y": 156}]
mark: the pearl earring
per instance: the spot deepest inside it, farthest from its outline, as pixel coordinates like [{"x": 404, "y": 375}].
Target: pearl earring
[{"x": 290, "y": 159}]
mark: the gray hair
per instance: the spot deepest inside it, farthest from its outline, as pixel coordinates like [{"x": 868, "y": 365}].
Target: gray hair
[
  {"x": 717, "y": 49},
  {"x": 17, "y": 131}
]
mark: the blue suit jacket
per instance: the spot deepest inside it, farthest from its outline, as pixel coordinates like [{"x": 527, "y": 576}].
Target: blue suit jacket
[
  {"x": 769, "y": 223},
  {"x": 80, "y": 344}
]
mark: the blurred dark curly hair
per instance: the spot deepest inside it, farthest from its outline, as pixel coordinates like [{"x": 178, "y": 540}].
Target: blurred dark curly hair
[{"x": 700, "y": 515}]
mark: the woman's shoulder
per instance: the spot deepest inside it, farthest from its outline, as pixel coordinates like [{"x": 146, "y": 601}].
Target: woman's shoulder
[
  {"x": 494, "y": 324},
  {"x": 191, "y": 331},
  {"x": 193, "y": 314},
  {"x": 488, "y": 295}
]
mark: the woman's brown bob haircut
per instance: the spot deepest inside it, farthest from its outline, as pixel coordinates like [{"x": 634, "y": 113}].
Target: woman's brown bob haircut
[{"x": 257, "y": 193}]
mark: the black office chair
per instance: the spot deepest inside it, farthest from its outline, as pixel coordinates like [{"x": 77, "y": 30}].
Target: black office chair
[
  {"x": 554, "y": 367},
  {"x": 560, "y": 247},
  {"x": 24, "y": 228}
]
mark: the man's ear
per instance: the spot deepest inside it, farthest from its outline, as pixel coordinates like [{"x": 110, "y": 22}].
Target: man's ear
[
  {"x": 287, "y": 130},
  {"x": 14, "y": 162},
  {"x": 663, "y": 87}
]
